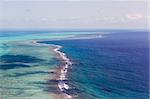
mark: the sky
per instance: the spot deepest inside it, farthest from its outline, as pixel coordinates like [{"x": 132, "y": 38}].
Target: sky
[{"x": 73, "y": 14}]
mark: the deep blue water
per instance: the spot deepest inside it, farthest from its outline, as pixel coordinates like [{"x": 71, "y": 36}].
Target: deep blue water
[{"x": 115, "y": 66}]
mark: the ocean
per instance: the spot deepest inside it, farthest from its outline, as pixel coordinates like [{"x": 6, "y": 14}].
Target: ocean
[
  {"x": 110, "y": 64},
  {"x": 115, "y": 66}
]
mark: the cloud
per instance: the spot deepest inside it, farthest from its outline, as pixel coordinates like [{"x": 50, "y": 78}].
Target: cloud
[
  {"x": 149, "y": 17},
  {"x": 134, "y": 16},
  {"x": 44, "y": 19}
]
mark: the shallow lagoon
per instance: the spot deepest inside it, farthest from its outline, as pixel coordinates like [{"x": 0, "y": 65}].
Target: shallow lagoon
[{"x": 27, "y": 69}]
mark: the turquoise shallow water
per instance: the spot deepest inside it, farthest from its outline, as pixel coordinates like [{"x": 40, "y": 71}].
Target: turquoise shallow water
[
  {"x": 25, "y": 70},
  {"x": 28, "y": 70}
]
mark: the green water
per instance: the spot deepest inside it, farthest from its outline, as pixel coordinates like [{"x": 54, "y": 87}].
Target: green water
[
  {"x": 23, "y": 83},
  {"x": 27, "y": 68}
]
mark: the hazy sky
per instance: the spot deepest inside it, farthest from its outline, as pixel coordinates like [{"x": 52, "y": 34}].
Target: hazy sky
[{"x": 54, "y": 14}]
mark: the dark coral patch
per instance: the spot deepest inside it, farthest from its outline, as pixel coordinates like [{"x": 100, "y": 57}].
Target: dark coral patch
[
  {"x": 30, "y": 73},
  {"x": 12, "y": 66},
  {"x": 19, "y": 58}
]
